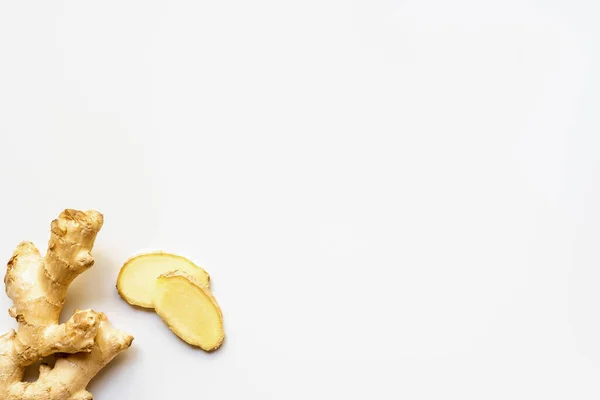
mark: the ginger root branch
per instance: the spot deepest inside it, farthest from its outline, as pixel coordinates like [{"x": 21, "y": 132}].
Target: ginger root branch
[{"x": 38, "y": 286}]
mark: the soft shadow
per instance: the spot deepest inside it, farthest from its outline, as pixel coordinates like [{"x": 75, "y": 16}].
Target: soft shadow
[
  {"x": 32, "y": 373},
  {"x": 142, "y": 309},
  {"x": 113, "y": 368},
  {"x": 90, "y": 287}
]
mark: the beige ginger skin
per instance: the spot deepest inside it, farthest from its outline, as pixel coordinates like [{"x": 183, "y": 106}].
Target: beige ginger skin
[{"x": 37, "y": 286}]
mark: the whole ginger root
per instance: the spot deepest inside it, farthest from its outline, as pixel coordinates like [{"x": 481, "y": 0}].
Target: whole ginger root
[{"x": 37, "y": 286}]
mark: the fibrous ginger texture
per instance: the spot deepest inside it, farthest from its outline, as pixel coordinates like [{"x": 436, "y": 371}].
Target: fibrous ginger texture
[
  {"x": 37, "y": 286},
  {"x": 137, "y": 278},
  {"x": 189, "y": 309}
]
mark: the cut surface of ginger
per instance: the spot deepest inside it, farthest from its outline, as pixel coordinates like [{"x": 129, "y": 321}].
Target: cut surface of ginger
[
  {"x": 138, "y": 276},
  {"x": 189, "y": 310}
]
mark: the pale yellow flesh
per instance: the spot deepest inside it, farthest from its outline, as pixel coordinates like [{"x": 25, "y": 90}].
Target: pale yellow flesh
[
  {"x": 137, "y": 279},
  {"x": 189, "y": 310}
]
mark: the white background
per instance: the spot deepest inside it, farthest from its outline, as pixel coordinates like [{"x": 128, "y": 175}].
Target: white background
[{"x": 395, "y": 199}]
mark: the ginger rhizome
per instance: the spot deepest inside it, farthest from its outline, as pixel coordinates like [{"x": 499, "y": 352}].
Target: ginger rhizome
[
  {"x": 179, "y": 291},
  {"x": 37, "y": 286}
]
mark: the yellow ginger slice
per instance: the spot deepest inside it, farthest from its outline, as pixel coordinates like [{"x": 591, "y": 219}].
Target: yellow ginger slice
[
  {"x": 138, "y": 275},
  {"x": 189, "y": 309}
]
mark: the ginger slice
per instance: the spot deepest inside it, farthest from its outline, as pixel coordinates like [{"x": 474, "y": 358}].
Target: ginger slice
[
  {"x": 138, "y": 275},
  {"x": 189, "y": 310}
]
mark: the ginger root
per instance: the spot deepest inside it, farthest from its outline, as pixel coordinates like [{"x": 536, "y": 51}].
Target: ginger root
[
  {"x": 138, "y": 275},
  {"x": 37, "y": 286},
  {"x": 179, "y": 291},
  {"x": 189, "y": 310}
]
